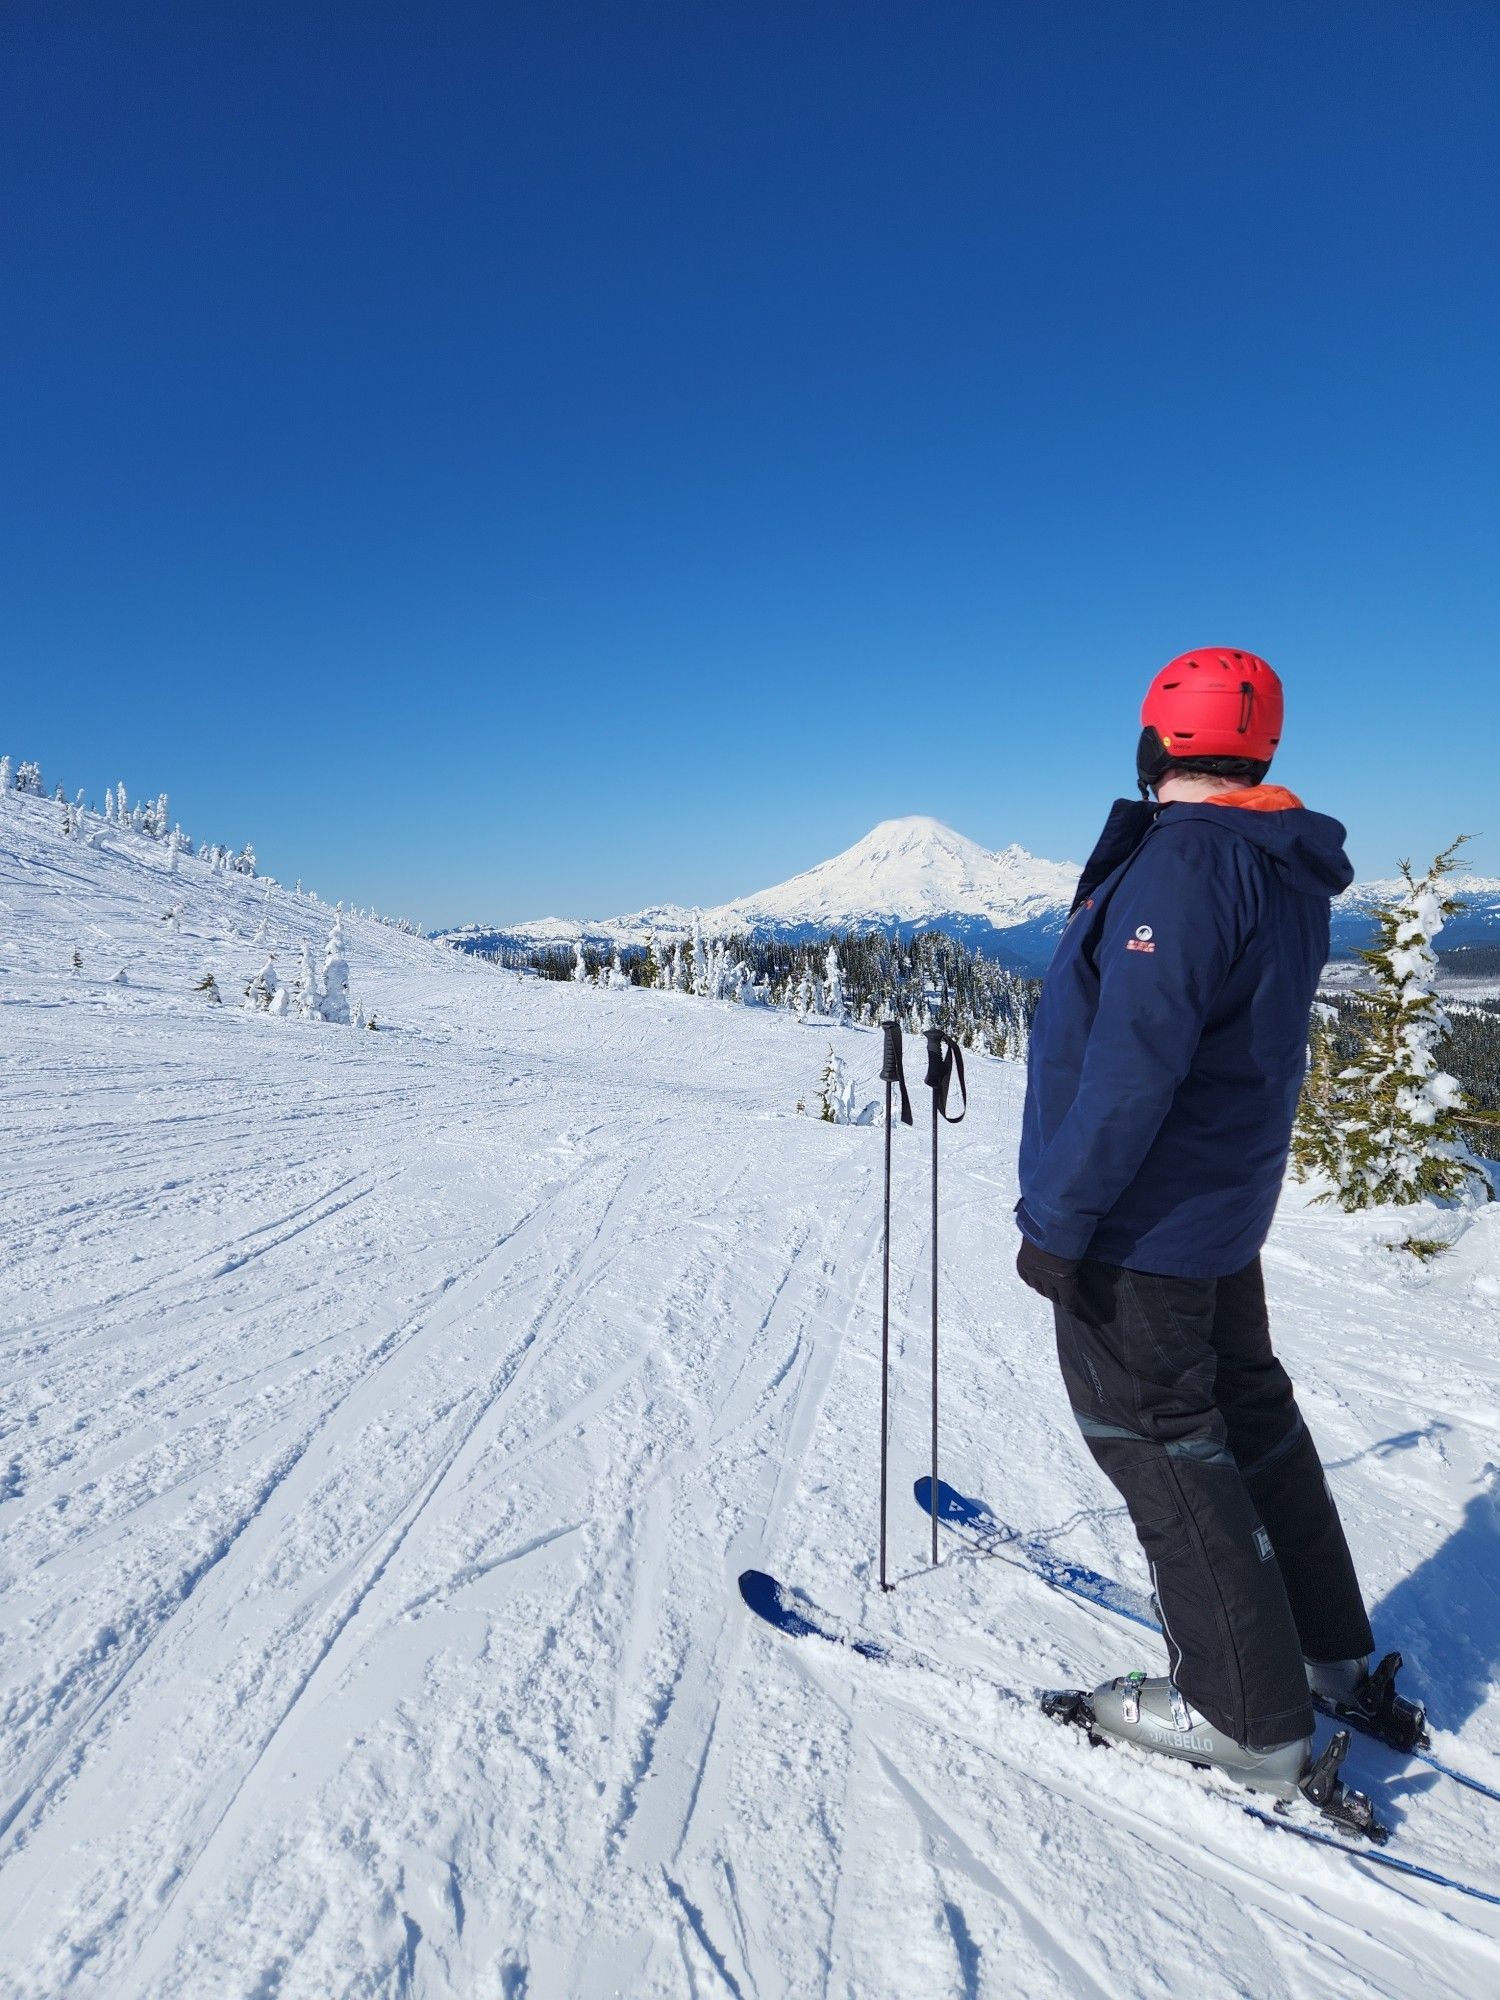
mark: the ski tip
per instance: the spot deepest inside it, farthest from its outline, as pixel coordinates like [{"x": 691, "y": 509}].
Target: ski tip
[
  {"x": 762, "y": 1593},
  {"x": 952, "y": 1506}
]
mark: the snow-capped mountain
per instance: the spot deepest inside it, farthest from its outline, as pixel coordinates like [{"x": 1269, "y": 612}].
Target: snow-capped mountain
[
  {"x": 916, "y": 874},
  {"x": 905, "y": 874},
  {"x": 1477, "y": 924}
]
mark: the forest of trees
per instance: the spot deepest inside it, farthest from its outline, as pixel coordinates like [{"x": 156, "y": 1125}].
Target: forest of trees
[{"x": 863, "y": 979}]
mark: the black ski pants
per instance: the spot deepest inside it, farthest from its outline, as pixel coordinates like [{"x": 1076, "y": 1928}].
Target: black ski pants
[{"x": 1187, "y": 1410}]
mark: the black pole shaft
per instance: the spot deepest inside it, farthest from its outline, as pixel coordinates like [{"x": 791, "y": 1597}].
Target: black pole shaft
[
  {"x": 885, "y": 1338},
  {"x": 934, "y": 1489}
]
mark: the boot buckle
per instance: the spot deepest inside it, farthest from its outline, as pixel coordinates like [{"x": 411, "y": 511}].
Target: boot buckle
[{"x": 1130, "y": 1697}]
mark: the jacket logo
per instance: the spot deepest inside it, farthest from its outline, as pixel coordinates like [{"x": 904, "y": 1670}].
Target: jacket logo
[{"x": 1142, "y": 939}]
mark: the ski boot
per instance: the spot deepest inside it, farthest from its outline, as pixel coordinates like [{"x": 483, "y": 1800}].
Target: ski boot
[
  {"x": 1151, "y": 1713},
  {"x": 1347, "y": 1690}
]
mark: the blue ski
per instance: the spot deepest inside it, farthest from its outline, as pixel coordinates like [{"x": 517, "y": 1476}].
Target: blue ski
[
  {"x": 975, "y": 1522},
  {"x": 794, "y": 1613}
]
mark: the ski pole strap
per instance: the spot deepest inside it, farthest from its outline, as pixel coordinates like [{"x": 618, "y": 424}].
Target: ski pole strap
[
  {"x": 892, "y": 1070},
  {"x": 945, "y": 1059}
]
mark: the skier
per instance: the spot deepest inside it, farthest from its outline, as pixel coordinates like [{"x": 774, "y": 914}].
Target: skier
[{"x": 1165, "y": 1066}]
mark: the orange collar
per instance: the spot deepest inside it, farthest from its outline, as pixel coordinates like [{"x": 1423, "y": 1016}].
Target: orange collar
[{"x": 1256, "y": 799}]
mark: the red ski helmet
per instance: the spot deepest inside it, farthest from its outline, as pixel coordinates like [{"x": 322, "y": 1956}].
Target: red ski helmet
[{"x": 1211, "y": 710}]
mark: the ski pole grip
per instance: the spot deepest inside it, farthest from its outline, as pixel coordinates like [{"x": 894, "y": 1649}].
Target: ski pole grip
[
  {"x": 890, "y": 1063},
  {"x": 935, "y": 1079}
]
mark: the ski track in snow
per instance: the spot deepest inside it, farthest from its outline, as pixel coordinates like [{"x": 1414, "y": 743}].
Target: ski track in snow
[{"x": 386, "y": 1420}]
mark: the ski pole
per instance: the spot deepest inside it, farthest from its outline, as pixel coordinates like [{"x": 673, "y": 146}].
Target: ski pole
[
  {"x": 891, "y": 1072},
  {"x": 943, "y": 1057}
]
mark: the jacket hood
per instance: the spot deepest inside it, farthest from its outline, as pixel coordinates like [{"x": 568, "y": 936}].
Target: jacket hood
[{"x": 1307, "y": 848}]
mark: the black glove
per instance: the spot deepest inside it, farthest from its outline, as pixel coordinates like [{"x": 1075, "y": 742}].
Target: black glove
[{"x": 1056, "y": 1278}]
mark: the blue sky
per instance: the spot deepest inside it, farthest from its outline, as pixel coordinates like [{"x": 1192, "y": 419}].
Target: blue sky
[{"x": 518, "y": 458}]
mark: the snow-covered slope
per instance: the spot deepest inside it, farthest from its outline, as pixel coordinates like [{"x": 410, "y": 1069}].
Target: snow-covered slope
[
  {"x": 905, "y": 874},
  {"x": 386, "y": 1420}
]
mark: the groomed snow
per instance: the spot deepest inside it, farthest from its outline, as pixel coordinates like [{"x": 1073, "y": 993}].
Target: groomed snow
[{"x": 389, "y": 1415}]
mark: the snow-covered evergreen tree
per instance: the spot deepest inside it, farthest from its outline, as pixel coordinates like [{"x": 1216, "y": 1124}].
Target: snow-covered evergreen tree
[
  {"x": 650, "y": 964},
  {"x": 580, "y": 964},
  {"x": 208, "y": 986},
  {"x": 334, "y": 1005},
  {"x": 835, "y": 1006},
  {"x": 243, "y": 863},
  {"x": 305, "y": 994},
  {"x": 619, "y": 978},
  {"x": 7, "y": 776},
  {"x": 1384, "y": 1127},
  {"x": 802, "y": 996},
  {"x": 835, "y": 1091},
  {"x": 29, "y": 779},
  {"x": 174, "y": 848},
  {"x": 700, "y": 960},
  {"x": 263, "y": 988},
  {"x": 122, "y": 806}
]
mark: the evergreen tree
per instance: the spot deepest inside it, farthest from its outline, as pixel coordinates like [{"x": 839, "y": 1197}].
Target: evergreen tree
[
  {"x": 305, "y": 994},
  {"x": 7, "y": 776},
  {"x": 580, "y": 964},
  {"x": 834, "y": 1004},
  {"x": 835, "y": 1091},
  {"x": 700, "y": 960},
  {"x": 263, "y": 988},
  {"x": 334, "y": 1005},
  {"x": 208, "y": 986},
  {"x": 650, "y": 965},
  {"x": 29, "y": 779},
  {"x": 1384, "y": 1127}
]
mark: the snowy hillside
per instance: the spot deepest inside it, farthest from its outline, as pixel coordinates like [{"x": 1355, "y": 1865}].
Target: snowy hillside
[{"x": 387, "y": 1417}]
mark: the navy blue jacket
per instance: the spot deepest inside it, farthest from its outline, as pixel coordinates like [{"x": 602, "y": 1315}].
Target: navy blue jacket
[{"x": 1170, "y": 1043}]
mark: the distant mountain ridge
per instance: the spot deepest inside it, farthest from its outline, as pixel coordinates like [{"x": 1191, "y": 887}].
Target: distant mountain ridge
[
  {"x": 905, "y": 875},
  {"x": 915, "y": 873}
]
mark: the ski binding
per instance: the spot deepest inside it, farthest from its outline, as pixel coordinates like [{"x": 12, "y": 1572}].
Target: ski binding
[
  {"x": 1340, "y": 1804},
  {"x": 1377, "y": 1709}
]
